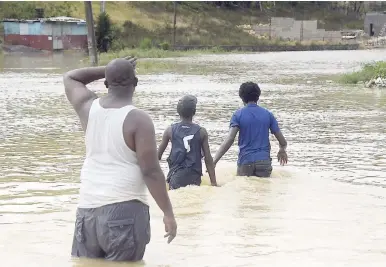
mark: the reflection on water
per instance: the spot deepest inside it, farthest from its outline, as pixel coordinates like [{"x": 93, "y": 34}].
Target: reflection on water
[
  {"x": 304, "y": 215},
  {"x": 42, "y": 62}
]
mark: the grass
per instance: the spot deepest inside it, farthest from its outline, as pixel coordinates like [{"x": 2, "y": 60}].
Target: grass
[
  {"x": 155, "y": 53},
  {"x": 151, "y": 66},
  {"x": 368, "y": 72},
  {"x": 147, "y": 64},
  {"x": 153, "y": 61},
  {"x": 160, "y": 53}
]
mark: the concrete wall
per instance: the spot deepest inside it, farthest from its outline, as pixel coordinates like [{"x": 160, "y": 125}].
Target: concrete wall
[
  {"x": 40, "y": 35},
  {"x": 261, "y": 29},
  {"x": 290, "y": 29},
  {"x": 377, "y": 19}
]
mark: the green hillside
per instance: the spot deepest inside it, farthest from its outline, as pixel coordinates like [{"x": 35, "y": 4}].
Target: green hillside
[{"x": 198, "y": 23}]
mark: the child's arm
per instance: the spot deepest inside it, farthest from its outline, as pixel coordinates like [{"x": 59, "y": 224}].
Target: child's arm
[
  {"x": 165, "y": 141},
  {"x": 226, "y": 144},
  {"x": 208, "y": 157}
]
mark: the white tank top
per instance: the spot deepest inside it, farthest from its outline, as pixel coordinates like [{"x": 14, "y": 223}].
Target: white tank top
[{"x": 110, "y": 172}]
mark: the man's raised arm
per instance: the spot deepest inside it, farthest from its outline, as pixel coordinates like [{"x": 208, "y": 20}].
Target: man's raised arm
[{"x": 75, "y": 82}]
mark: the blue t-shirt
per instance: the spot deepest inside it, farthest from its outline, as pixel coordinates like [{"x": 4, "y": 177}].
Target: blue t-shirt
[{"x": 254, "y": 123}]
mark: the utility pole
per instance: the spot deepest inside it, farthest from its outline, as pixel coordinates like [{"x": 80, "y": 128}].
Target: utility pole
[
  {"x": 302, "y": 26},
  {"x": 270, "y": 28},
  {"x": 92, "y": 51},
  {"x": 103, "y": 6},
  {"x": 301, "y": 31},
  {"x": 174, "y": 23}
]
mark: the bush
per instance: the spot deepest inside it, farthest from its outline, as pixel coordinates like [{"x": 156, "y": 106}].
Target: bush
[
  {"x": 368, "y": 72},
  {"x": 145, "y": 44},
  {"x": 103, "y": 32},
  {"x": 164, "y": 46}
]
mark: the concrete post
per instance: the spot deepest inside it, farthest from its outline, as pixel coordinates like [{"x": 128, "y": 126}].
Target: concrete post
[
  {"x": 103, "y": 6},
  {"x": 270, "y": 28},
  {"x": 301, "y": 31}
]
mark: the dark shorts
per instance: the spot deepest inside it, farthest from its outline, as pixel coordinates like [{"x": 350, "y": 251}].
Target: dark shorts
[
  {"x": 116, "y": 232},
  {"x": 183, "y": 177},
  {"x": 260, "y": 168}
]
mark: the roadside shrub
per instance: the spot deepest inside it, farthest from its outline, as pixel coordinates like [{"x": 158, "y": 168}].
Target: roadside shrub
[
  {"x": 164, "y": 46},
  {"x": 145, "y": 44},
  {"x": 368, "y": 72}
]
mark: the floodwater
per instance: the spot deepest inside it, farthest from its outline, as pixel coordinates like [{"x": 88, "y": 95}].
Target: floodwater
[{"x": 327, "y": 207}]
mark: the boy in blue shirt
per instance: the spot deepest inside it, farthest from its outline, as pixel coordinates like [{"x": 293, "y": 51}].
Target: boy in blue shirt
[{"x": 253, "y": 124}]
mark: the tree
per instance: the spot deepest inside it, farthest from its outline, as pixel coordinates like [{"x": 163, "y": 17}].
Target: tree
[{"x": 103, "y": 32}]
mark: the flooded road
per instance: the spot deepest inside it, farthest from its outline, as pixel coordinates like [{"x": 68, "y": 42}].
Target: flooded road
[{"x": 326, "y": 208}]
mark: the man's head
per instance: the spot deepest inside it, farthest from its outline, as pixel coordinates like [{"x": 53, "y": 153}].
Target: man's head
[
  {"x": 249, "y": 92},
  {"x": 120, "y": 76},
  {"x": 186, "y": 106}
]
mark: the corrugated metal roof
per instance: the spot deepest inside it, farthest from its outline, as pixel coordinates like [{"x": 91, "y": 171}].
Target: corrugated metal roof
[
  {"x": 53, "y": 19},
  {"x": 65, "y": 19}
]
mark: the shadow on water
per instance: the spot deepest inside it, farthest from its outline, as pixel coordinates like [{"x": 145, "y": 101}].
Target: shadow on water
[{"x": 300, "y": 215}]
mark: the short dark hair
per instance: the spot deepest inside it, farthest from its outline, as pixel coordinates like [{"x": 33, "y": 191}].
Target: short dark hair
[
  {"x": 186, "y": 106},
  {"x": 120, "y": 73},
  {"x": 249, "y": 92}
]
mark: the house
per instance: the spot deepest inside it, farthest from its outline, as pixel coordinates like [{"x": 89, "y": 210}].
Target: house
[
  {"x": 375, "y": 24},
  {"x": 52, "y": 34}
]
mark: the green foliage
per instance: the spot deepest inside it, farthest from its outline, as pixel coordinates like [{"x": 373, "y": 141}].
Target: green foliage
[
  {"x": 164, "y": 46},
  {"x": 132, "y": 34},
  {"x": 368, "y": 72},
  {"x": 18, "y": 10},
  {"x": 103, "y": 32},
  {"x": 26, "y": 9},
  {"x": 198, "y": 23},
  {"x": 116, "y": 40},
  {"x": 146, "y": 44}
]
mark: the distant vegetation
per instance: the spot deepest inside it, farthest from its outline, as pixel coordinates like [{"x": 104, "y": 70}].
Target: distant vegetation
[
  {"x": 149, "y": 25},
  {"x": 147, "y": 50},
  {"x": 367, "y": 73},
  {"x": 104, "y": 32}
]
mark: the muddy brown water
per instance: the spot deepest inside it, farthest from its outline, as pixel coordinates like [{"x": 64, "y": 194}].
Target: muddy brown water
[{"x": 326, "y": 208}]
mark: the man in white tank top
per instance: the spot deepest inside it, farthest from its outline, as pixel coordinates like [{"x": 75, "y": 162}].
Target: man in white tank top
[{"x": 112, "y": 219}]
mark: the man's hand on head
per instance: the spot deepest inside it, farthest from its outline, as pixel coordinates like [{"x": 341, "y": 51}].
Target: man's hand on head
[{"x": 132, "y": 60}]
